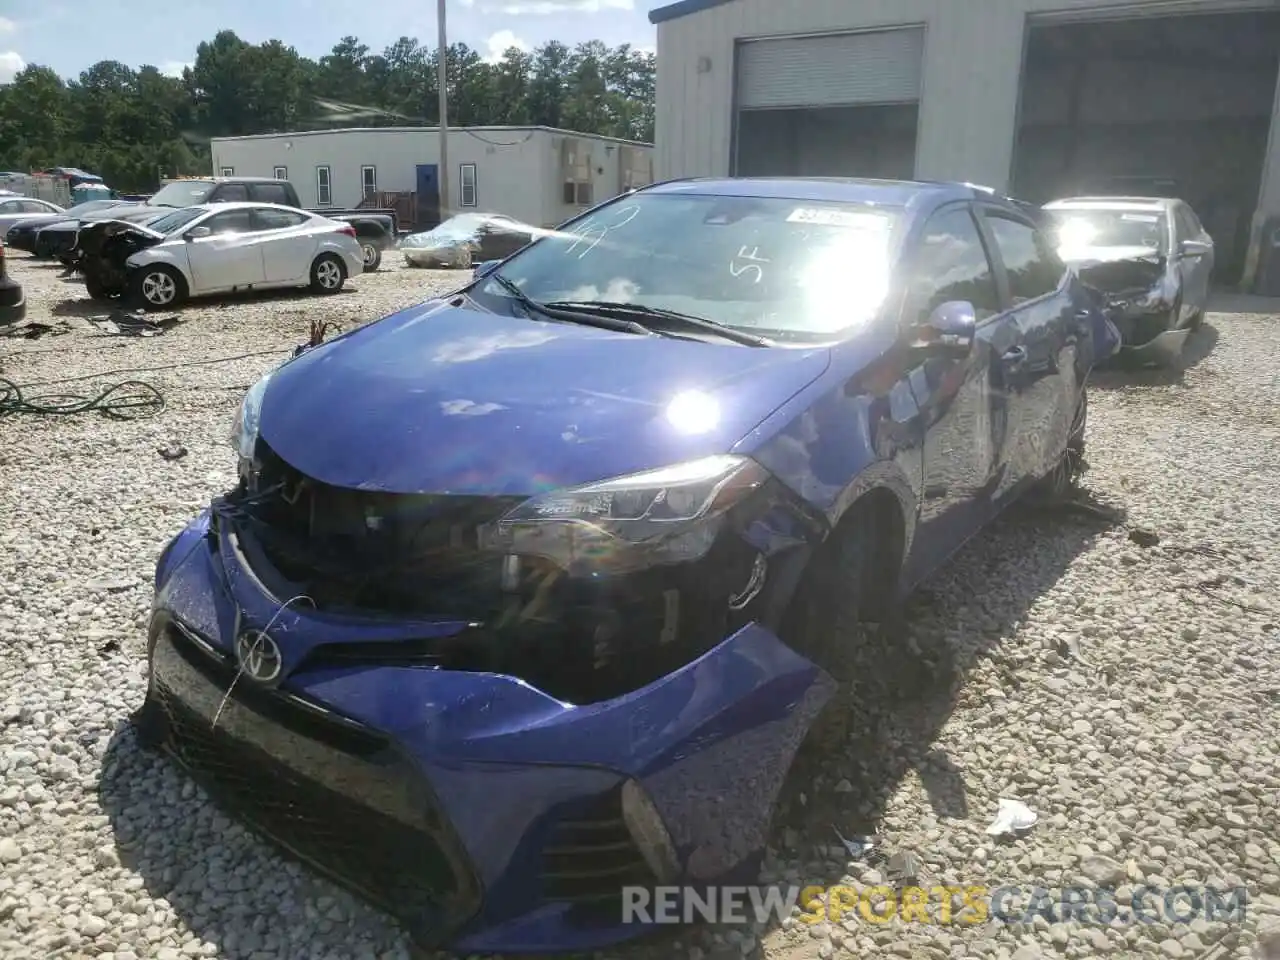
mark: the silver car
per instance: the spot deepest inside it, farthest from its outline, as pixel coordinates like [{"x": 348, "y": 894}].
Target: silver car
[
  {"x": 1150, "y": 255},
  {"x": 13, "y": 209}
]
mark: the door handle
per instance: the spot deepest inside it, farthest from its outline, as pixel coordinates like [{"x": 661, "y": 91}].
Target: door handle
[{"x": 1015, "y": 357}]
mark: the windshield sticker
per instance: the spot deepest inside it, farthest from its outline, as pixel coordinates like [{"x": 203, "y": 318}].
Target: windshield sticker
[
  {"x": 1140, "y": 217},
  {"x": 747, "y": 263},
  {"x": 837, "y": 218}
]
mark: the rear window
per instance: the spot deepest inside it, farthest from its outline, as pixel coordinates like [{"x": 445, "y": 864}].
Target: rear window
[
  {"x": 182, "y": 193},
  {"x": 271, "y": 193}
]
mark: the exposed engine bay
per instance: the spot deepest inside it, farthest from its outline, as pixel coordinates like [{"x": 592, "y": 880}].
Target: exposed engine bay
[
  {"x": 101, "y": 252},
  {"x": 1125, "y": 278}
]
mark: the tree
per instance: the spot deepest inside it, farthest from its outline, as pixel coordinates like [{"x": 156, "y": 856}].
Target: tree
[{"x": 134, "y": 126}]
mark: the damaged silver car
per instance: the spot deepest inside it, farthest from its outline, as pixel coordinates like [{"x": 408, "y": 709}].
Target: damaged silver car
[{"x": 1152, "y": 259}]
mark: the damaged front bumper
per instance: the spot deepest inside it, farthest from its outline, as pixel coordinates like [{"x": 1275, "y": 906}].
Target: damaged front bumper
[
  {"x": 1148, "y": 333},
  {"x": 483, "y": 813}
]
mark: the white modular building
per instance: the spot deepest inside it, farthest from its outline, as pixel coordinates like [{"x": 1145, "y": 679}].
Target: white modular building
[
  {"x": 1038, "y": 98},
  {"x": 539, "y": 175}
]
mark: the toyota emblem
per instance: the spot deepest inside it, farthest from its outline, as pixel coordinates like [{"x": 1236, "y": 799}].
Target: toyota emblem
[{"x": 259, "y": 656}]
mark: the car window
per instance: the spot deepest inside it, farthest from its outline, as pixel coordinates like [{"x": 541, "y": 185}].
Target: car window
[
  {"x": 277, "y": 219},
  {"x": 271, "y": 193},
  {"x": 1033, "y": 269},
  {"x": 231, "y": 193},
  {"x": 233, "y": 221},
  {"x": 38, "y": 206},
  {"x": 1197, "y": 228},
  {"x": 951, "y": 264},
  {"x": 11, "y": 206},
  {"x": 1188, "y": 228}
]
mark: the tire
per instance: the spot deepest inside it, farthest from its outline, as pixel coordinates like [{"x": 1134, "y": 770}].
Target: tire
[
  {"x": 1057, "y": 485},
  {"x": 157, "y": 287},
  {"x": 826, "y": 623},
  {"x": 99, "y": 291},
  {"x": 372, "y": 255},
  {"x": 328, "y": 274}
]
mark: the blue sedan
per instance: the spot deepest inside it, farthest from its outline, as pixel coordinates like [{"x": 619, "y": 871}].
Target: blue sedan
[{"x": 530, "y": 593}]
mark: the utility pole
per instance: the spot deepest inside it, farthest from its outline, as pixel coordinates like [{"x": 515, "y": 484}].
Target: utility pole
[{"x": 442, "y": 76}]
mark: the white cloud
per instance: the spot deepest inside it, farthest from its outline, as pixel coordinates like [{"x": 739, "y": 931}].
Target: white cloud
[
  {"x": 10, "y": 66},
  {"x": 174, "y": 68},
  {"x": 543, "y": 8},
  {"x": 500, "y": 42},
  {"x": 7, "y": 26}
]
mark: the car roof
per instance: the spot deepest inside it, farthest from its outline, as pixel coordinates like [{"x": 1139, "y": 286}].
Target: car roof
[
  {"x": 226, "y": 180},
  {"x": 246, "y": 205},
  {"x": 889, "y": 193},
  {"x": 1111, "y": 203}
]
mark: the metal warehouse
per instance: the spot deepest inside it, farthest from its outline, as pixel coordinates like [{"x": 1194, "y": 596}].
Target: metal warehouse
[
  {"x": 539, "y": 175},
  {"x": 1040, "y": 98}
]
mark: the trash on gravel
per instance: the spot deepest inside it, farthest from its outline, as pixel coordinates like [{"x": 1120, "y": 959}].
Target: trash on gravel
[
  {"x": 112, "y": 584},
  {"x": 858, "y": 847},
  {"x": 1144, "y": 537},
  {"x": 903, "y": 867},
  {"x": 34, "y": 329},
  {"x": 1012, "y": 816},
  {"x": 172, "y": 451},
  {"x": 126, "y": 323}
]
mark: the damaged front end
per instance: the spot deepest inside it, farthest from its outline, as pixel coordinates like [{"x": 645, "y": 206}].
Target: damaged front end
[
  {"x": 1141, "y": 297},
  {"x": 101, "y": 253},
  {"x": 555, "y": 696}
]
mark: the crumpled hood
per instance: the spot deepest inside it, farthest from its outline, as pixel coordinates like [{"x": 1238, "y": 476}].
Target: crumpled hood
[
  {"x": 452, "y": 400},
  {"x": 1092, "y": 256}
]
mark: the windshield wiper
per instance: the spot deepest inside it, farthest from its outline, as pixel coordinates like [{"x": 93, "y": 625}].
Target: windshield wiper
[
  {"x": 673, "y": 318},
  {"x": 532, "y": 306}
]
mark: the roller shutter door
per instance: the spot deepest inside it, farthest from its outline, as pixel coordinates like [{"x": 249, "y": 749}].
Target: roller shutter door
[{"x": 830, "y": 70}]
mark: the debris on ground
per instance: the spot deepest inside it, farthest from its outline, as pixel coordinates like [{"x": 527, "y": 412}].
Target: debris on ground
[
  {"x": 172, "y": 451},
  {"x": 1144, "y": 537},
  {"x": 34, "y": 329},
  {"x": 134, "y": 323},
  {"x": 1012, "y": 816}
]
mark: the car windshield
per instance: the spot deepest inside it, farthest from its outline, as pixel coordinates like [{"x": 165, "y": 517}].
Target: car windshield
[
  {"x": 169, "y": 222},
  {"x": 785, "y": 268},
  {"x": 181, "y": 193},
  {"x": 1079, "y": 229},
  {"x": 89, "y": 206}
]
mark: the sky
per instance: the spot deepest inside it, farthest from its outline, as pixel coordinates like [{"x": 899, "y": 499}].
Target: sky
[{"x": 69, "y": 35}]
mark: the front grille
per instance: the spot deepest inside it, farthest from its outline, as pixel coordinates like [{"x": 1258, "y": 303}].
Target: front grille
[
  {"x": 362, "y": 818},
  {"x": 590, "y": 856}
]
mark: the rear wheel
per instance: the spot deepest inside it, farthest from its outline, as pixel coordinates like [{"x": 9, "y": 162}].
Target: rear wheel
[
  {"x": 98, "y": 290},
  {"x": 328, "y": 274},
  {"x": 372, "y": 255},
  {"x": 157, "y": 287}
]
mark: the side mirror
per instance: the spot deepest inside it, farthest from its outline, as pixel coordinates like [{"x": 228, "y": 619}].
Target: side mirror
[
  {"x": 949, "y": 331},
  {"x": 484, "y": 269},
  {"x": 1195, "y": 248},
  {"x": 196, "y": 233}
]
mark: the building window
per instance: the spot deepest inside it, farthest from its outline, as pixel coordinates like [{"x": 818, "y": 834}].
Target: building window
[
  {"x": 280, "y": 173},
  {"x": 468, "y": 179},
  {"x": 368, "y": 181},
  {"x": 324, "y": 194},
  {"x": 228, "y": 171},
  {"x": 583, "y": 192}
]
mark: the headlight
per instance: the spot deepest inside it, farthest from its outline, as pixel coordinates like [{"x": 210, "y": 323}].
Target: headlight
[
  {"x": 244, "y": 434},
  {"x": 669, "y": 515}
]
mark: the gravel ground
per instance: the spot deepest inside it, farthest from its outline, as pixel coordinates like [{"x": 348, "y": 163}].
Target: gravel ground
[{"x": 1128, "y": 694}]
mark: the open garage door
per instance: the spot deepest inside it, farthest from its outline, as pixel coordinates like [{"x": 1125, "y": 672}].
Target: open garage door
[
  {"x": 838, "y": 105},
  {"x": 1169, "y": 106}
]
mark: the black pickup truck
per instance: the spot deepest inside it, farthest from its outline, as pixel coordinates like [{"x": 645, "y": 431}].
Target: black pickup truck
[{"x": 376, "y": 229}]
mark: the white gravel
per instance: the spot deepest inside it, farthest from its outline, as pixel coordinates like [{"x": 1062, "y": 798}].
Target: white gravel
[{"x": 1129, "y": 695}]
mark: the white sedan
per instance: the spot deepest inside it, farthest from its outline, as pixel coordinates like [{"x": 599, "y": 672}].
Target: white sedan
[
  {"x": 14, "y": 208},
  {"x": 226, "y": 247}
]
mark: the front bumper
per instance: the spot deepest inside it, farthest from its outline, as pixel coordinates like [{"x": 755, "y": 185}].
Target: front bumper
[{"x": 481, "y": 812}]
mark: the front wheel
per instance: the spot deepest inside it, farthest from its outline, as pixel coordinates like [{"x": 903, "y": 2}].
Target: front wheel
[
  {"x": 158, "y": 287},
  {"x": 328, "y": 274},
  {"x": 372, "y": 256},
  {"x": 98, "y": 290}
]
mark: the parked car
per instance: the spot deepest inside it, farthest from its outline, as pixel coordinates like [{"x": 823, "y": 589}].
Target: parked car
[
  {"x": 18, "y": 209},
  {"x": 24, "y": 233},
  {"x": 577, "y": 554},
  {"x": 216, "y": 248},
  {"x": 467, "y": 239},
  {"x": 1150, "y": 256},
  {"x": 376, "y": 229},
  {"x": 13, "y": 303}
]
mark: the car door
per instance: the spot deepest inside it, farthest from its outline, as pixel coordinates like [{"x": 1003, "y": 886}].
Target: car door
[
  {"x": 1197, "y": 269},
  {"x": 962, "y": 400},
  {"x": 1039, "y": 373},
  {"x": 288, "y": 245},
  {"x": 226, "y": 257}
]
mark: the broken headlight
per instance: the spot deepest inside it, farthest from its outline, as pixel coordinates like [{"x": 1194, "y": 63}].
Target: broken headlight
[
  {"x": 668, "y": 515},
  {"x": 244, "y": 433}
]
